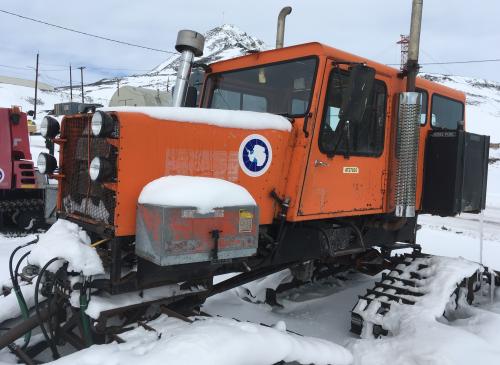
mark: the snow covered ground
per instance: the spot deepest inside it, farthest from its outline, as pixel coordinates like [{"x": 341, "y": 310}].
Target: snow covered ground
[{"x": 319, "y": 310}]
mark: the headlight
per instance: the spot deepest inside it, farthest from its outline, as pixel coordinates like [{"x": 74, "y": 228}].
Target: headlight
[
  {"x": 46, "y": 163},
  {"x": 103, "y": 124},
  {"x": 49, "y": 128},
  {"x": 100, "y": 169}
]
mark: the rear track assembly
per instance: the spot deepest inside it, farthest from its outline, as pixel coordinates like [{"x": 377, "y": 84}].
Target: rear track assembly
[{"x": 405, "y": 284}]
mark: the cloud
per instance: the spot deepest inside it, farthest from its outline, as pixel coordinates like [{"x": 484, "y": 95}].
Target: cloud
[{"x": 452, "y": 30}]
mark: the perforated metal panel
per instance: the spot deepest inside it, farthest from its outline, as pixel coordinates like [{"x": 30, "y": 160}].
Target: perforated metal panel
[
  {"x": 407, "y": 153},
  {"x": 81, "y": 196}
]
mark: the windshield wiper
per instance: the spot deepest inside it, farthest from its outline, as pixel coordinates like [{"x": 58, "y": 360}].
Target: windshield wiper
[{"x": 287, "y": 116}]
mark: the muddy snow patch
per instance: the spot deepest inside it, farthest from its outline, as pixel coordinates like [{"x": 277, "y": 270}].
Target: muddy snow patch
[{"x": 69, "y": 242}]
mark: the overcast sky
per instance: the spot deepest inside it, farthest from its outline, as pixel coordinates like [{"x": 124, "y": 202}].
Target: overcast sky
[{"x": 452, "y": 30}]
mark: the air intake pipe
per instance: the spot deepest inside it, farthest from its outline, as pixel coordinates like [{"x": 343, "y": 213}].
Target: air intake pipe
[
  {"x": 190, "y": 44},
  {"x": 408, "y": 128},
  {"x": 280, "y": 31}
]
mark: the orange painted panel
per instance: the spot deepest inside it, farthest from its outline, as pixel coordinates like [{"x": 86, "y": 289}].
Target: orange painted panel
[{"x": 151, "y": 148}]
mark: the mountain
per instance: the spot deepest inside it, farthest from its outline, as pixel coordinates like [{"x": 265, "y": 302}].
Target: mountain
[
  {"x": 228, "y": 41},
  {"x": 224, "y": 42},
  {"x": 221, "y": 43}
]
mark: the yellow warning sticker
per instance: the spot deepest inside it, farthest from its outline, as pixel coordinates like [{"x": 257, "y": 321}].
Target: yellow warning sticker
[{"x": 246, "y": 221}]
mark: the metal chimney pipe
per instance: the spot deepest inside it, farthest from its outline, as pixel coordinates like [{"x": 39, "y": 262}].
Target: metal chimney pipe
[
  {"x": 280, "y": 31},
  {"x": 414, "y": 44},
  {"x": 190, "y": 44},
  {"x": 408, "y": 127}
]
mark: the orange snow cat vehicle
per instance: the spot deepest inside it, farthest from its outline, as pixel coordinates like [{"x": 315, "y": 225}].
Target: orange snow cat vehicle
[{"x": 337, "y": 156}]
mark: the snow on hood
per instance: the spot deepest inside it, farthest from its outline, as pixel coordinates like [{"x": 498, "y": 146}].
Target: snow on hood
[
  {"x": 203, "y": 193},
  {"x": 70, "y": 242},
  {"x": 218, "y": 117},
  {"x": 213, "y": 341}
]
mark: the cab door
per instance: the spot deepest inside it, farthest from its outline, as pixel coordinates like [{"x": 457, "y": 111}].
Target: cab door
[{"x": 346, "y": 175}]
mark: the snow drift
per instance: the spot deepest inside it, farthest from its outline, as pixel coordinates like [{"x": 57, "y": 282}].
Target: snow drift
[
  {"x": 212, "y": 341},
  {"x": 70, "y": 242}
]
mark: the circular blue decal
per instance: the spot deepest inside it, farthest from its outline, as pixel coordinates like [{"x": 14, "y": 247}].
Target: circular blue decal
[
  {"x": 2, "y": 175},
  {"x": 255, "y": 155}
]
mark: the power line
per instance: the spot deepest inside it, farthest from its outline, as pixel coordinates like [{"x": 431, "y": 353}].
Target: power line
[
  {"x": 15, "y": 67},
  {"x": 65, "y": 69},
  {"x": 85, "y": 33},
  {"x": 451, "y": 62}
]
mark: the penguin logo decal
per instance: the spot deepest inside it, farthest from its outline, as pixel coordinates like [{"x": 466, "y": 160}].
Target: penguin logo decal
[{"x": 255, "y": 155}]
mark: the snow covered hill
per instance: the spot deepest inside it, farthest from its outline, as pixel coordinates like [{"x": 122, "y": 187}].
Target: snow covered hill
[
  {"x": 228, "y": 41},
  {"x": 483, "y": 102}
]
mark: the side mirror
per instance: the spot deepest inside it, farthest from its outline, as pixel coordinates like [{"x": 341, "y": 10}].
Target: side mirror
[
  {"x": 30, "y": 113},
  {"x": 355, "y": 96},
  {"x": 191, "y": 97}
]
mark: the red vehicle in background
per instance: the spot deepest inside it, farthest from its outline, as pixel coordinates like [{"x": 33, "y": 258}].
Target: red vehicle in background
[{"x": 21, "y": 195}]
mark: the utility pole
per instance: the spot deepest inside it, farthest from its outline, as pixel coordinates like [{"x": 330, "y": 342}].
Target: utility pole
[
  {"x": 81, "y": 78},
  {"x": 36, "y": 86},
  {"x": 70, "y": 84},
  {"x": 118, "y": 86}
]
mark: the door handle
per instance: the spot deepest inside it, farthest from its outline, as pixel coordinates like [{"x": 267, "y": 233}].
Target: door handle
[{"x": 319, "y": 163}]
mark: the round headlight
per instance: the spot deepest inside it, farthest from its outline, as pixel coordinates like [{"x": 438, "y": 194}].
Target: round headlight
[
  {"x": 100, "y": 169},
  {"x": 46, "y": 163},
  {"x": 103, "y": 124},
  {"x": 49, "y": 128}
]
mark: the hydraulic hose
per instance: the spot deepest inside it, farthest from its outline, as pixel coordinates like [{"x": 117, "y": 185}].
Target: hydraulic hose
[
  {"x": 17, "y": 289},
  {"x": 84, "y": 302},
  {"x": 49, "y": 340}
]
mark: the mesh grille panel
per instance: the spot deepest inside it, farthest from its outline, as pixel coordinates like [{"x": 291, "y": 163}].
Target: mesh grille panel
[{"x": 80, "y": 195}]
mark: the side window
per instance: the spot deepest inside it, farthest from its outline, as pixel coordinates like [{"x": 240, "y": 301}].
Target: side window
[
  {"x": 446, "y": 113},
  {"x": 232, "y": 100},
  {"x": 423, "y": 108},
  {"x": 366, "y": 137},
  {"x": 254, "y": 103},
  {"x": 226, "y": 99}
]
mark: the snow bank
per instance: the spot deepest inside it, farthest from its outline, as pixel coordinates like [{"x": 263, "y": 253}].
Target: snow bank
[
  {"x": 68, "y": 241},
  {"x": 10, "y": 306},
  {"x": 203, "y": 193},
  {"x": 218, "y": 117},
  {"x": 213, "y": 341}
]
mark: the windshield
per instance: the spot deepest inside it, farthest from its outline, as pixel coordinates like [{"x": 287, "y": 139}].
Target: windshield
[{"x": 283, "y": 88}]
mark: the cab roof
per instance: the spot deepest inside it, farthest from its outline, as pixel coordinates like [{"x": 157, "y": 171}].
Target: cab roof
[{"x": 321, "y": 50}]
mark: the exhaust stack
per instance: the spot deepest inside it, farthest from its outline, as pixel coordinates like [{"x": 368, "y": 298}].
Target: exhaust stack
[
  {"x": 414, "y": 44},
  {"x": 280, "y": 32},
  {"x": 190, "y": 44},
  {"x": 408, "y": 133}
]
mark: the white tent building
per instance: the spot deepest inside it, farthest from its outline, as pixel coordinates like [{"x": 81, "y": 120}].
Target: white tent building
[{"x": 138, "y": 96}]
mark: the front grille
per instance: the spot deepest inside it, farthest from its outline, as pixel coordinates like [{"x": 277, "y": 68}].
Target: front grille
[{"x": 80, "y": 195}]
